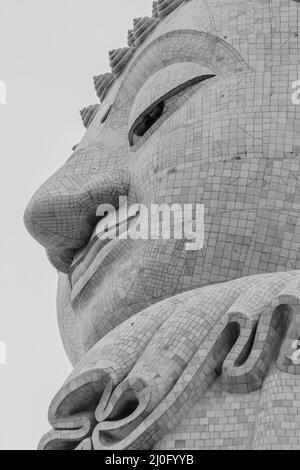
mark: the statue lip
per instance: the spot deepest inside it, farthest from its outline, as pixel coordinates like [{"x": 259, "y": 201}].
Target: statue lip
[
  {"x": 83, "y": 266},
  {"x": 98, "y": 253}
]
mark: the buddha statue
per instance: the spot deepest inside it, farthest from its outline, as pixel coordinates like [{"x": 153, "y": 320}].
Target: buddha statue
[{"x": 175, "y": 348}]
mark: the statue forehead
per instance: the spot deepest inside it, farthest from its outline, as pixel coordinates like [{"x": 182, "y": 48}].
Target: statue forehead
[
  {"x": 226, "y": 18},
  {"x": 249, "y": 28},
  {"x": 238, "y": 22}
]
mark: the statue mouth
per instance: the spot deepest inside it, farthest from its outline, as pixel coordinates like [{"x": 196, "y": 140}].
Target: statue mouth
[
  {"x": 84, "y": 258},
  {"x": 103, "y": 247}
]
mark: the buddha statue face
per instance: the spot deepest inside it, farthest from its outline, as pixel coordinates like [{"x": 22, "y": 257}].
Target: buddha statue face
[{"x": 199, "y": 110}]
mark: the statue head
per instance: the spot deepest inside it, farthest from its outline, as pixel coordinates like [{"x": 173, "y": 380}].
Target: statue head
[{"x": 198, "y": 109}]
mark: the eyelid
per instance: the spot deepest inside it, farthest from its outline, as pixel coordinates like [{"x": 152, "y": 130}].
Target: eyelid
[
  {"x": 161, "y": 83},
  {"x": 163, "y": 99}
]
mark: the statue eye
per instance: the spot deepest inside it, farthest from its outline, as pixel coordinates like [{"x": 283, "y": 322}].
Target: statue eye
[{"x": 149, "y": 121}]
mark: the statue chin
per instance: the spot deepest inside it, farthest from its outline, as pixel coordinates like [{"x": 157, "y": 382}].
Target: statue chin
[{"x": 205, "y": 368}]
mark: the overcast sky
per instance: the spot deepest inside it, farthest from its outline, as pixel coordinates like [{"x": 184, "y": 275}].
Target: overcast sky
[{"x": 49, "y": 52}]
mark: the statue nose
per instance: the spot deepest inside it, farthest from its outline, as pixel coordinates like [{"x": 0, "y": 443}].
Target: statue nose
[{"x": 62, "y": 214}]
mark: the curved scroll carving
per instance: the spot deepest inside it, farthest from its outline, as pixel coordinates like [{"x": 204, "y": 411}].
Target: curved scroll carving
[
  {"x": 247, "y": 365},
  {"x": 85, "y": 445},
  {"x": 69, "y": 432},
  {"x": 141, "y": 379}
]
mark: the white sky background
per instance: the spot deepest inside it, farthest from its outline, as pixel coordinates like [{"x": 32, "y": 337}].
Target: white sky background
[{"x": 49, "y": 52}]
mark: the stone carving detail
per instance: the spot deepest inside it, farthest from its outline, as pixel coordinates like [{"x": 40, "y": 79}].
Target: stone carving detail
[
  {"x": 103, "y": 83},
  {"x": 165, "y": 7},
  {"x": 134, "y": 405},
  {"x": 142, "y": 27},
  {"x": 119, "y": 58},
  {"x": 85, "y": 445},
  {"x": 130, "y": 38},
  {"x": 88, "y": 114},
  {"x": 154, "y": 9}
]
